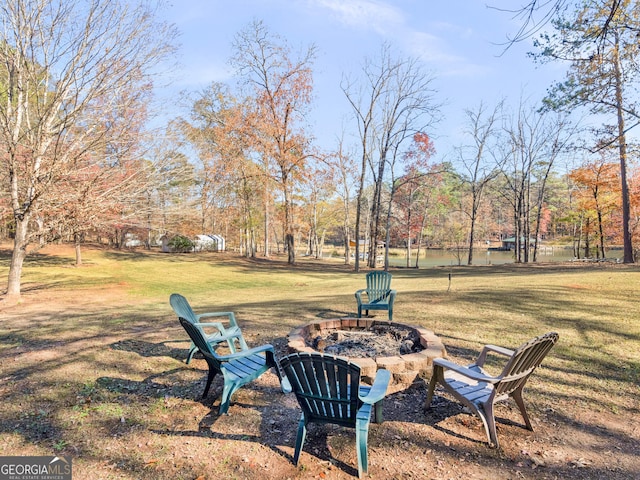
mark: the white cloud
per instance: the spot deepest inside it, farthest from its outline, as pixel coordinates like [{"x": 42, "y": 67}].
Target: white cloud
[
  {"x": 436, "y": 53},
  {"x": 428, "y": 47},
  {"x": 366, "y": 14},
  {"x": 200, "y": 74},
  {"x": 431, "y": 43}
]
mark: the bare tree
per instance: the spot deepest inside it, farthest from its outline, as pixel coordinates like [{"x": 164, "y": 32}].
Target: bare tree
[
  {"x": 535, "y": 140},
  {"x": 364, "y": 100},
  {"x": 534, "y": 15},
  {"x": 523, "y": 146},
  {"x": 477, "y": 170},
  {"x": 281, "y": 85},
  {"x": 343, "y": 165},
  {"x": 63, "y": 65},
  {"x": 559, "y": 134},
  {"x": 395, "y": 103}
]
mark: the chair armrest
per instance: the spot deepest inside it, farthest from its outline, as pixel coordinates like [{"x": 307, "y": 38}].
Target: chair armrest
[
  {"x": 379, "y": 387},
  {"x": 492, "y": 348},
  {"x": 230, "y": 315},
  {"x": 359, "y": 293},
  {"x": 245, "y": 353},
  {"x": 218, "y": 325},
  {"x": 221, "y": 337},
  {"x": 392, "y": 296},
  {"x": 465, "y": 371}
]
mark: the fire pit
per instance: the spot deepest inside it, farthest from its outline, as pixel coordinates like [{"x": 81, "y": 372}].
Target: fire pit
[{"x": 407, "y": 351}]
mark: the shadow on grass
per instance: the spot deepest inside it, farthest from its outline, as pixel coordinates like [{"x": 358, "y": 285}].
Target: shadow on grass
[
  {"x": 277, "y": 427},
  {"x": 277, "y": 431},
  {"x": 151, "y": 387},
  {"x": 276, "y": 415},
  {"x": 37, "y": 259},
  {"x": 149, "y": 349}
]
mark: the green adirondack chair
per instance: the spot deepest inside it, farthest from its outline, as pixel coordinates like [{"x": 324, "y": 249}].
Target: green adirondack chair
[
  {"x": 231, "y": 333},
  {"x": 378, "y": 295},
  {"x": 479, "y": 391},
  {"x": 328, "y": 390},
  {"x": 237, "y": 369}
]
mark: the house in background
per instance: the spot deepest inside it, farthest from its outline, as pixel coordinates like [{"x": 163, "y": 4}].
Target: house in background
[
  {"x": 509, "y": 243},
  {"x": 209, "y": 243}
]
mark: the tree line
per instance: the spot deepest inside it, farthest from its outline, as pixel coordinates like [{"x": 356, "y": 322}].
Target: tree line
[{"x": 80, "y": 161}]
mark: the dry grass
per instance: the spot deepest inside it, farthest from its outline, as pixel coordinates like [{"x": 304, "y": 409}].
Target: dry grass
[{"x": 91, "y": 363}]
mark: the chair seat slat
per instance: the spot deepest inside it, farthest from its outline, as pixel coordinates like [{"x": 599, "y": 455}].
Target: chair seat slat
[{"x": 244, "y": 366}]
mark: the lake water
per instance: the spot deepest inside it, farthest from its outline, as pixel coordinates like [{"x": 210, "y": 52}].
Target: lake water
[{"x": 437, "y": 258}]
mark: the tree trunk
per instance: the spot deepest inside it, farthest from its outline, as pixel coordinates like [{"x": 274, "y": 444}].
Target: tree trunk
[
  {"x": 622, "y": 148},
  {"x": 347, "y": 246},
  {"x": 291, "y": 254},
  {"x": 471, "y": 236},
  {"x": 601, "y": 234},
  {"x": 78, "y": 250},
  {"x": 267, "y": 221},
  {"x": 17, "y": 257},
  {"x": 359, "y": 211},
  {"x": 578, "y": 244},
  {"x": 527, "y": 222},
  {"x": 422, "y": 226},
  {"x": 409, "y": 218},
  {"x": 376, "y": 212},
  {"x": 320, "y": 246},
  {"x": 587, "y": 244},
  {"x": 288, "y": 222},
  {"x": 387, "y": 237}
]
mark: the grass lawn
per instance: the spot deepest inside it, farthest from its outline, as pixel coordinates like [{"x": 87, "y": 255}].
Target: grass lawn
[{"x": 92, "y": 367}]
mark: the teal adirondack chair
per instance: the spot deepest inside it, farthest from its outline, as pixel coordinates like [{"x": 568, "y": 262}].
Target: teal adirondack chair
[
  {"x": 231, "y": 333},
  {"x": 328, "y": 390},
  {"x": 237, "y": 369},
  {"x": 378, "y": 295}
]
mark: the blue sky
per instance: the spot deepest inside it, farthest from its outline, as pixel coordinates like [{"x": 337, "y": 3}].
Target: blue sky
[{"x": 458, "y": 41}]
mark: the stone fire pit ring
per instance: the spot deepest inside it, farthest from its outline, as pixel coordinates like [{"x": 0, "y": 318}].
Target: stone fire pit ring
[{"x": 405, "y": 368}]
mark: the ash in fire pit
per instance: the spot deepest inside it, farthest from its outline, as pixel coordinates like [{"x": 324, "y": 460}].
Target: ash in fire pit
[
  {"x": 407, "y": 351},
  {"x": 375, "y": 341}
]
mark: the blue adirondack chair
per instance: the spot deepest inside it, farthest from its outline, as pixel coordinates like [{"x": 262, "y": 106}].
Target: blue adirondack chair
[
  {"x": 328, "y": 390},
  {"x": 237, "y": 369},
  {"x": 231, "y": 333},
  {"x": 378, "y": 295}
]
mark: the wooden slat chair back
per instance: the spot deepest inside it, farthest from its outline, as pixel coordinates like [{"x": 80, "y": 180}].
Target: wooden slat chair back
[
  {"x": 524, "y": 361},
  {"x": 229, "y": 333},
  {"x": 379, "y": 295},
  {"x": 237, "y": 369},
  {"x": 328, "y": 390},
  {"x": 479, "y": 391}
]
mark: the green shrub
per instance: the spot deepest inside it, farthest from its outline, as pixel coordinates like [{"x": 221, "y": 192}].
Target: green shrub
[{"x": 181, "y": 244}]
